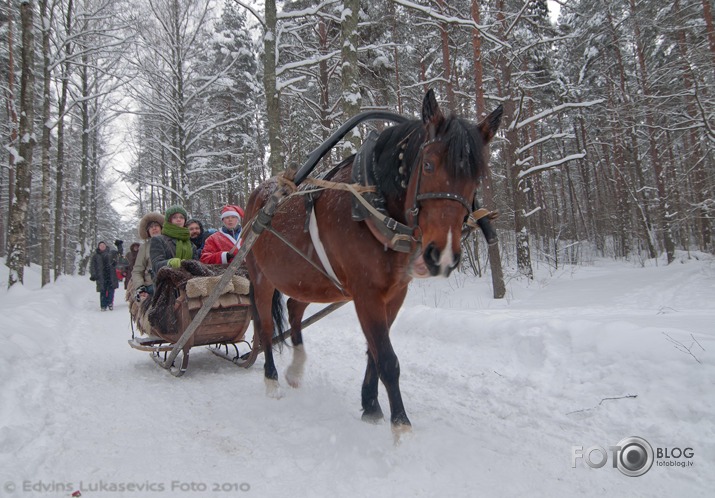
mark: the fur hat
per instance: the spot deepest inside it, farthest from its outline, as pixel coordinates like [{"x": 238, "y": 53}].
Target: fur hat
[
  {"x": 143, "y": 228},
  {"x": 231, "y": 210},
  {"x": 172, "y": 210}
]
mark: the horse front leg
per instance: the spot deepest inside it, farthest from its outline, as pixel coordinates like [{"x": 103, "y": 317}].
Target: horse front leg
[
  {"x": 371, "y": 410},
  {"x": 296, "y": 310},
  {"x": 374, "y": 320}
]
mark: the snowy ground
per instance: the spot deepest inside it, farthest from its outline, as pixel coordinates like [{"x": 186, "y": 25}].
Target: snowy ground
[{"x": 499, "y": 393}]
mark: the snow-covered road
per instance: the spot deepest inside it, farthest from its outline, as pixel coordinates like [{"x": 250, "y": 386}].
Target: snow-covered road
[{"x": 499, "y": 393}]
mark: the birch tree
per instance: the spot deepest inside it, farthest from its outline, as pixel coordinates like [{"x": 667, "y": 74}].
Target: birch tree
[{"x": 17, "y": 242}]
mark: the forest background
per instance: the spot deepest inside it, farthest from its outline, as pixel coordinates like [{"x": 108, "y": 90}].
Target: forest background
[{"x": 606, "y": 146}]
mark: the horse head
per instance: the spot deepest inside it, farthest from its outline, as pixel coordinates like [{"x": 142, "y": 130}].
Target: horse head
[{"x": 448, "y": 166}]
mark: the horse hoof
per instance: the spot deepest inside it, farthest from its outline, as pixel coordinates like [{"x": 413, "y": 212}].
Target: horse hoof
[
  {"x": 273, "y": 389},
  {"x": 294, "y": 380},
  {"x": 373, "y": 416},
  {"x": 401, "y": 433}
]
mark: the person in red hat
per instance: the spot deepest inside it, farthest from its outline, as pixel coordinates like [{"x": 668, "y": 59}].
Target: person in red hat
[{"x": 221, "y": 247}]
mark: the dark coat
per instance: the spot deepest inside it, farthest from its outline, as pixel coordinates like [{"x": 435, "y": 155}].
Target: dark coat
[
  {"x": 132, "y": 257},
  {"x": 161, "y": 249},
  {"x": 201, "y": 239},
  {"x": 102, "y": 269}
]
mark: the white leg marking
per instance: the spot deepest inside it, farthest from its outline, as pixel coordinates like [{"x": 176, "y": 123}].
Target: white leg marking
[
  {"x": 273, "y": 389},
  {"x": 294, "y": 374}
]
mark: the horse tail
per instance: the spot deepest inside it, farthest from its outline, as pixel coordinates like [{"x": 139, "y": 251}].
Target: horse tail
[{"x": 278, "y": 313}]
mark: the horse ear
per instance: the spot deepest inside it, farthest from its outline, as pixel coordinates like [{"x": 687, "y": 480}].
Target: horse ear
[
  {"x": 490, "y": 125},
  {"x": 431, "y": 113}
]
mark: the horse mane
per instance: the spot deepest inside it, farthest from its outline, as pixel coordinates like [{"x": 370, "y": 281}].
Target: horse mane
[{"x": 465, "y": 157}]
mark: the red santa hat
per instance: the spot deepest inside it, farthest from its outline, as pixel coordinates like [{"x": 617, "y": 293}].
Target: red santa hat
[{"x": 231, "y": 210}]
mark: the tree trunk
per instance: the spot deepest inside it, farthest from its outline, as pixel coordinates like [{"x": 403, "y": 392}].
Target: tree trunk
[
  {"x": 46, "y": 15},
  {"x": 631, "y": 155},
  {"x": 182, "y": 181},
  {"x": 352, "y": 98},
  {"x": 660, "y": 180},
  {"x": 17, "y": 237},
  {"x": 523, "y": 250},
  {"x": 94, "y": 173},
  {"x": 85, "y": 222},
  {"x": 498, "y": 286},
  {"x": 446, "y": 59},
  {"x": 708, "y": 16},
  {"x": 273, "y": 107},
  {"x": 396, "y": 55},
  {"x": 12, "y": 122},
  {"x": 692, "y": 144},
  {"x": 324, "y": 81},
  {"x": 60, "y": 241}
]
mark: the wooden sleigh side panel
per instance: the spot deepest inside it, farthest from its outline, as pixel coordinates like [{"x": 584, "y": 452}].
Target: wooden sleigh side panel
[{"x": 223, "y": 324}]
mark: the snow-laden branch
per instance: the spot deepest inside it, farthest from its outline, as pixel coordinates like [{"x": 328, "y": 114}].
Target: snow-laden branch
[
  {"x": 215, "y": 126},
  {"x": 516, "y": 19},
  {"x": 311, "y": 11},
  {"x": 430, "y": 12},
  {"x": 312, "y": 61},
  {"x": 558, "y": 108},
  {"x": 208, "y": 186},
  {"x": 553, "y": 164},
  {"x": 704, "y": 115},
  {"x": 283, "y": 84},
  {"x": 161, "y": 186},
  {"x": 542, "y": 140},
  {"x": 533, "y": 211}
]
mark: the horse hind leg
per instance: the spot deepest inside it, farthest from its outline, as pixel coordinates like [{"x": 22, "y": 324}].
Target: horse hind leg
[
  {"x": 263, "y": 300},
  {"x": 296, "y": 310}
]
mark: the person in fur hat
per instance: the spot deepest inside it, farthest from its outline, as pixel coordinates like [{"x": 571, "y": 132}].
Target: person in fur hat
[
  {"x": 102, "y": 270},
  {"x": 142, "y": 278},
  {"x": 221, "y": 247},
  {"x": 174, "y": 244}
]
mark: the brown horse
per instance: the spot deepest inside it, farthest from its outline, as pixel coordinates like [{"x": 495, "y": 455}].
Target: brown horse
[{"x": 427, "y": 172}]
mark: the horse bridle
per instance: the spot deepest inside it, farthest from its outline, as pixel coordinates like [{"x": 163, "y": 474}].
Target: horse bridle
[{"x": 412, "y": 214}]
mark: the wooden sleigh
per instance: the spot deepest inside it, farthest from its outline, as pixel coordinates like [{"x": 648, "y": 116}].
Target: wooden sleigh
[{"x": 222, "y": 330}]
